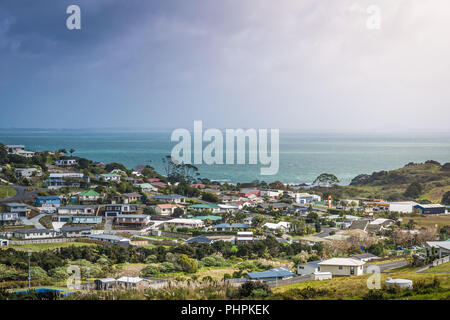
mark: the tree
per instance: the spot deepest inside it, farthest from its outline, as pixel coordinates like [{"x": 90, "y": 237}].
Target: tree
[
  {"x": 414, "y": 190},
  {"x": 71, "y": 151},
  {"x": 411, "y": 224},
  {"x": 446, "y": 198},
  {"x": 178, "y": 212},
  {"x": 250, "y": 287},
  {"x": 3, "y": 154},
  {"x": 326, "y": 179},
  {"x": 210, "y": 197},
  {"x": 187, "y": 264}
]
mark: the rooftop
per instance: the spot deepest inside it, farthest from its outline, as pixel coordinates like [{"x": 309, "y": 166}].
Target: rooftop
[{"x": 342, "y": 262}]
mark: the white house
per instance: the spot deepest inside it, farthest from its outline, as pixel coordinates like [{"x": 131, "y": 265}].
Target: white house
[
  {"x": 19, "y": 150},
  {"x": 308, "y": 267},
  {"x": 28, "y": 172},
  {"x": 147, "y": 187},
  {"x": 185, "y": 223},
  {"x": 342, "y": 266},
  {"x": 305, "y": 198},
  {"x": 166, "y": 209},
  {"x": 285, "y": 226},
  {"x": 109, "y": 177},
  {"x": 65, "y": 162},
  {"x": 77, "y": 209},
  {"x": 34, "y": 233},
  {"x": 271, "y": 193}
]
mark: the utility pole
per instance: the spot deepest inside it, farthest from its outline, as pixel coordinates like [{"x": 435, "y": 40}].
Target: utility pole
[{"x": 29, "y": 273}]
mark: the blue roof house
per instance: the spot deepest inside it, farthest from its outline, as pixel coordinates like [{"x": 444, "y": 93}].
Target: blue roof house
[
  {"x": 271, "y": 275},
  {"x": 49, "y": 200}
]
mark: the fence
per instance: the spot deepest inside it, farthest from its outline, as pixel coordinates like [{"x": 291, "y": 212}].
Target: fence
[
  {"x": 306, "y": 277},
  {"x": 441, "y": 261},
  {"x": 37, "y": 241}
]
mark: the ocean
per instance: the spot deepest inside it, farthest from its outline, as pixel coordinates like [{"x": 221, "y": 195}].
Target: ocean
[{"x": 302, "y": 156}]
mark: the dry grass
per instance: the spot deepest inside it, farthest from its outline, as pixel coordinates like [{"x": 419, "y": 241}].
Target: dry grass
[
  {"x": 355, "y": 287},
  {"x": 429, "y": 221}
]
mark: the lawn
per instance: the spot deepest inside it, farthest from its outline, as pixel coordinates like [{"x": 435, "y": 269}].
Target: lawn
[
  {"x": 50, "y": 246},
  {"x": 7, "y": 192}
]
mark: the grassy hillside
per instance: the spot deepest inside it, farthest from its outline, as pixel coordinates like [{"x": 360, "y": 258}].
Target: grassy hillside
[
  {"x": 433, "y": 178},
  {"x": 355, "y": 288}
]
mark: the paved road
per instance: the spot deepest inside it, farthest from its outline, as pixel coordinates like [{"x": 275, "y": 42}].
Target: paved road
[
  {"x": 389, "y": 265},
  {"x": 21, "y": 195},
  {"x": 326, "y": 232},
  {"x": 35, "y": 221}
]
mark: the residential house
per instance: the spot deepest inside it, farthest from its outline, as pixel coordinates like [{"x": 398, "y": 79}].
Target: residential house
[
  {"x": 214, "y": 208},
  {"x": 77, "y": 210},
  {"x": 132, "y": 220},
  {"x": 184, "y": 223},
  {"x": 68, "y": 179},
  {"x": 209, "y": 217},
  {"x": 19, "y": 150},
  {"x": 4, "y": 242},
  {"x": 228, "y": 208},
  {"x": 170, "y": 198},
  {"x": 129, "y": 197},
  {"x": 66, "y": 162},
  {"x": 246, "y": 192},
  {"x": 244, "y": 237},
  {"x": 14, "y": 148},
  {"x": 45, "y": 201},
  {"x": 379, "y": 224},
  {"x": 78, "y": 219},
  {"x": 365, "y": 257},
  {"x": 9, "y": 218},
  {"x": 89, "y": 196},
  {"x": 275, "y": 274},
  {"x": 271, "y": 193},
  {"x": 167, "y": 209},
  {"x": 109, "y": 177},
  {"x": 285, "y": 226},
  {"x": 147, "y": 187},
  {"x": 110, "y": 238},
  {"x": 20, "y": 208},
  {"x": 309, "y": 267},
  {"x": 230, "y": 227},
  {"x": 305, "y": 198},
  {"x": 26, "y": 234},
  {"x": 28, "y": 172},
  {"x": 159, "y": 185},
  {"x": 441, "y": 247},
  {"x": 342, "y": 266},
  {"x": 75, "y": 232},
  {"x": 113, "y": 210}
]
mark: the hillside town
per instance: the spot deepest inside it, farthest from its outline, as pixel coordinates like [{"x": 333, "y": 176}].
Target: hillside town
[{"x": 177, "y": 224}]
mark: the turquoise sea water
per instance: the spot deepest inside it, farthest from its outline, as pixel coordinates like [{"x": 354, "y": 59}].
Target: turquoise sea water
[{"x": 302, "y": 156}]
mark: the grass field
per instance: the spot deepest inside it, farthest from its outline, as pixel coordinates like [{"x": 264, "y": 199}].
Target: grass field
[
  {"x": 353, "y": 288},
  {"x": 445, "y": 267},
  {"x": 50, "y": 246},
  {"x": 429, "y": 221},
  {"x": 6, "y": 192}
]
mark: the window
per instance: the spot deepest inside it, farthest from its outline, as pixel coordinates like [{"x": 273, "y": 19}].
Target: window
[{"x": 340, "y": 267}]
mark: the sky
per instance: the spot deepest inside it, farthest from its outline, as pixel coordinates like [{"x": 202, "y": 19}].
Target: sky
[{"x": 302, "y": 65}]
